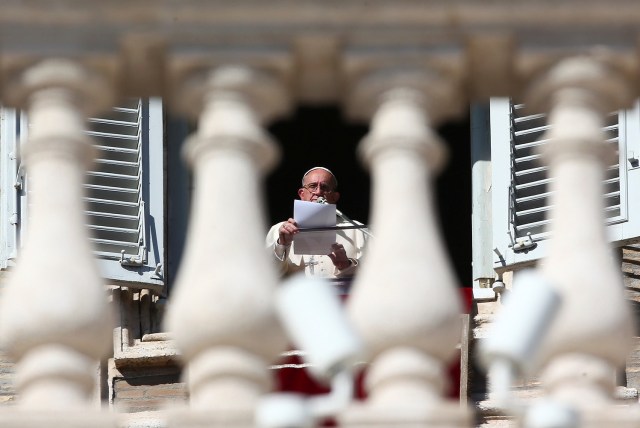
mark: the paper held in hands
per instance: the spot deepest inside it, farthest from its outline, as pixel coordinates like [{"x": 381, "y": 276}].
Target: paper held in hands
[{"x": 308, "y": 215}]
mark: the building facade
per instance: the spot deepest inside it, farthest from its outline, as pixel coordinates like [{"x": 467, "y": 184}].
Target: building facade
[{"x": 101, "y": 99}]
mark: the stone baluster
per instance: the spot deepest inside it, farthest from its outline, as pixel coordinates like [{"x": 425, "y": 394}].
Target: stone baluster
[
  {"x": 54, "y": 318},
  {"x": 590, "y": 338},
  {"x": 221, "y": 311},
  {"x": 405, "y": 302}
]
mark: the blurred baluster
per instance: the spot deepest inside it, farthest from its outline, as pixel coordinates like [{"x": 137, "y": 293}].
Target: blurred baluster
[
  {"x": 222, "y": 311},
  {"x": 405, "y": 302},
  {"x": 54, "y": 319},
  {"x": 590, "y": 337}
]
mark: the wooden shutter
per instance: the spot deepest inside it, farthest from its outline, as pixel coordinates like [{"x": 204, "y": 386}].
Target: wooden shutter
[
  {"x": 115, "y": 208},
  {"x": 520, "y": 182},
  {"x": 124, "y": 191}
]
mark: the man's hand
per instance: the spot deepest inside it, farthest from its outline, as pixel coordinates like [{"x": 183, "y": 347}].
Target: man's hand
[
  {"x": 339, "y": 257},
  {"x": 286, "y": 232}
]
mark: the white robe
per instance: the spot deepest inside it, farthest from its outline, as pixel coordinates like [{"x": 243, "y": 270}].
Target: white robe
[{"x": 319, "y": 265}]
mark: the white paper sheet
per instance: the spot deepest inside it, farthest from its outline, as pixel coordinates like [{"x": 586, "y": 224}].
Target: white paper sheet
[{"x": 311, "y": 214}]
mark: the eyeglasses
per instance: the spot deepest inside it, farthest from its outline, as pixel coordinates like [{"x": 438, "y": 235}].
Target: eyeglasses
[{"x": 315, "y": 187}]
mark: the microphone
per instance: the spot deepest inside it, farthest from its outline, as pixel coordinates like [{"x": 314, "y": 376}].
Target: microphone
[{"x": 322, "y": 200}]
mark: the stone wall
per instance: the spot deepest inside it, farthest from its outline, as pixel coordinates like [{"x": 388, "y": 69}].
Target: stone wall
[
  {"x": 631, "y": 275},
  {"x": 148, "y": 389},
  {"x": 7, "y": 374}
]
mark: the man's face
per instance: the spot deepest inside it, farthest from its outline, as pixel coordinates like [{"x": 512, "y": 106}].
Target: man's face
[{"x": 319, "y": 183}]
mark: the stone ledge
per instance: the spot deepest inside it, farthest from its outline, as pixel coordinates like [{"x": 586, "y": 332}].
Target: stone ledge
[
  {"x": 15, "y": 418},
  {"x": 154, "y": 419},
  {"x": 152, "y": 353}
]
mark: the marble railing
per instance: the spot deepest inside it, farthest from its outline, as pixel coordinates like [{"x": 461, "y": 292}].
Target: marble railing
[{"x": 235, "y": 66}]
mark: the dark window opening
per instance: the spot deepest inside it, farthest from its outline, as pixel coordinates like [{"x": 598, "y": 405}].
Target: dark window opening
[{"x": 321, "y": 137}]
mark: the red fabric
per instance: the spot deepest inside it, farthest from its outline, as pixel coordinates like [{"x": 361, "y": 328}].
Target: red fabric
[
  {"x": 291, "y": 379},
  {"x": 466, "y": 294}
]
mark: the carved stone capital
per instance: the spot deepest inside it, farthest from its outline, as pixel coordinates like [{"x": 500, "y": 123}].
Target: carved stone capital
[
  {"x": 266, "y": 88},
  {"x": 442, "y": 95},
  {"x": 401, "y": 122},
  {"x": 578, "y": 121},
  {"x": 228, "y": 122},
  {"x": 603, "y": 77},
  {"x": 90, "y": 82}
]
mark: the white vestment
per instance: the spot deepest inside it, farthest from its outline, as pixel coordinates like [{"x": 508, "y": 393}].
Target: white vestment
[{"x": 320, "y": 265}]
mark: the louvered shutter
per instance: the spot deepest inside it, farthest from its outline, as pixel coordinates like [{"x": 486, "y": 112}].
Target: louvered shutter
[
  {"x": 114, "y": 185},
  {"x": 124, "y": 193},
  {"x": 520, "y": 182}
]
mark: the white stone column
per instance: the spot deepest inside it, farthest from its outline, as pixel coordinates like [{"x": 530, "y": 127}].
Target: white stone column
[
  {"x": 405, "y": 303},
  {"x": 221, "y": 310},
  {"x": 54, "y": 319},
  {"x": 590, "y": 338}
]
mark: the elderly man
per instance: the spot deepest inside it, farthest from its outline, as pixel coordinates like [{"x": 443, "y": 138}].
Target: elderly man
[{"x": 346, "y": 252}]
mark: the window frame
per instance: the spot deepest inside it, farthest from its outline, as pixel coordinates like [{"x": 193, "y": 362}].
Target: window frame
[
  {"x": 150, "y": 273},
  {"x": 621, "y": 230}
]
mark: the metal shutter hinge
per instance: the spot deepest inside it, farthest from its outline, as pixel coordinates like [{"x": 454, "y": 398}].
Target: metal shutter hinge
[
  {"x": 523, "y": 244},
  {"x": 157, "y": 273},
  {"x": 19, "y": 182},
  {"x": 137, "y": 260},
  {"x": 141, "y": 258},
  {"x": 633, "y": 159}
]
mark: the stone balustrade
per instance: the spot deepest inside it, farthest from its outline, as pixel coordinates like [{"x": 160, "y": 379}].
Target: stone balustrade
[
  {"x": 212, "y": 61},
  {"x": 54, "y": 320},
  {"x": 582, "y": 352},
  {"x": 228, "y": 351}
]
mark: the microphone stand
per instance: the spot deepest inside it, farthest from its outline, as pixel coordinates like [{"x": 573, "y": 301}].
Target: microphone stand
[
  {"x": 320, "y": 229},
  {"x": 354, "y": 225}
]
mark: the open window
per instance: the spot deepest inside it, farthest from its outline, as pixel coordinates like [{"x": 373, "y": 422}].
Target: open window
[
  {"x": 124, "y": 192},
  {"x": 520, "y": 192}
]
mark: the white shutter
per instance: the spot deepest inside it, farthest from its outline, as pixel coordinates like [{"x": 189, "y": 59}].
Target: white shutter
[
  {"x": 520, "y": 182},
  {"x": 10, "y": 185},
  {"x": 124, "y": 193},
  {"x": 125, "y": 197},
  {"x": 115, "y": 208}
]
